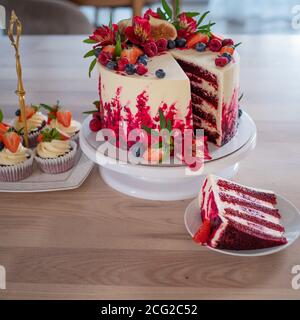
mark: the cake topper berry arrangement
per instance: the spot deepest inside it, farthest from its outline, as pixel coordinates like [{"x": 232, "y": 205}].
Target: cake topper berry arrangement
[{"x": 127, "y": 46}]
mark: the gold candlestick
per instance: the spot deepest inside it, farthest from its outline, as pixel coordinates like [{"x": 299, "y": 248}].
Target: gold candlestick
[{"x": 15, "y": 23}]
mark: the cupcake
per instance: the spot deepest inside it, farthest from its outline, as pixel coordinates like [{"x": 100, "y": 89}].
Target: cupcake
[
  {"x": 35, "y": 122},
  {"x": 62, "y": 120},
  {"x": 16, "y": 161},
  {"x": 55, "y": 152}
]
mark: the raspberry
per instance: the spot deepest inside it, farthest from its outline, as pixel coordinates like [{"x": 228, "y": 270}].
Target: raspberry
[
  {"x": 95, "y": 125},
  {"x": 215, "y": 45},
  {"x": 122, "y": 63},
  {"x": 150, "y": 49},
  {"x": 227, "y": 42},
  {"x": 141, "y": 69},
  {"x": 103, "y": 58},
  {"x": 162, "y": 45},
  {"x": 221, "y": 61}
]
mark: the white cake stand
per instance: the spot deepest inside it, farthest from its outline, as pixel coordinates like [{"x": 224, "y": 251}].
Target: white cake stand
[{"x": 170, "y": 182}]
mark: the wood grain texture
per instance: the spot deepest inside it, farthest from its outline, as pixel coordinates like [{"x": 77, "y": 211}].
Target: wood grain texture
[{"x": 96, "y": 243}]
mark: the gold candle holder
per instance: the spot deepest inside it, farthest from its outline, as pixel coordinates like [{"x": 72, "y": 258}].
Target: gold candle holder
[{"x": 16, "y": 24}]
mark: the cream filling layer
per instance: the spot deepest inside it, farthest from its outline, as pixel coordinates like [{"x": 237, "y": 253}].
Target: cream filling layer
[{"x": 53, "y": 149}]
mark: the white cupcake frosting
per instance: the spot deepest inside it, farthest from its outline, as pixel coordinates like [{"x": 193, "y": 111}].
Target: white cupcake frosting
[
  {"x": 73, "y": 128},
  {"x": 53, "y": 149},
  {"x": 33, "y": 122},
  {"x": 7, "y": 158}
]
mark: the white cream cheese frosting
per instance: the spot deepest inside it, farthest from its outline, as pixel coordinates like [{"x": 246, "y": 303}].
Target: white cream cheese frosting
[
  {"x": 53, "y": 149},
  {"x": 71, "y": 130},
  {"x": 7, "y": 158},
  {"x": 33, "y": 123}
]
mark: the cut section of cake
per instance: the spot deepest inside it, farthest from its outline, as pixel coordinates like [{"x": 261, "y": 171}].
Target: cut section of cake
[
  {"x": 214, "y": 93},
  {"x": 236, "y": 217}
]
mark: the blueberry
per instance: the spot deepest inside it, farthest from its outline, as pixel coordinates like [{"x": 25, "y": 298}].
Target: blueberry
[
  {"x": 180, "y": 42},
  {"x": 160, "y": 73},
  {"x": 200, "y": 46},
  {"x": 227, "y": 55},
  {"x": 18, "y": 112},
  {"x": 1, "y": 146},
  {"x": 130, "y": 68},
  {"x": 111, "y": 65},
  {"x": 142, "y": 60},
  {"x": 144, "y": 56},
  {"x": 171, "y": 44},
  {"x": 97, "y": 52},
  {"x": 240, "y": 112}
]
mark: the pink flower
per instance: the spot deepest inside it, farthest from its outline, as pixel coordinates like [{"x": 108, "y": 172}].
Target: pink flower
[
  {"x": 187, "y": 26},
  {"x": 151, "y": 13},
  {"x": 104, "y": 35},
  {"x": 139, "y": 32}
]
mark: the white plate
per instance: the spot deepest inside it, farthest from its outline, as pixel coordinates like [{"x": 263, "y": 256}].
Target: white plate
[
  {"x": 42, "y": 182},
  {"x": 290, "y": 219}
]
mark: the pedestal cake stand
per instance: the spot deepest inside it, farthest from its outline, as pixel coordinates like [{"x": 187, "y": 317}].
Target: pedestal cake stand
[{"x": 170, "y": 182}]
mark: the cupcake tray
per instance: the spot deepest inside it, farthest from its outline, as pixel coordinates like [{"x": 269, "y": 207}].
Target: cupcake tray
[{"x": 42, "y": 182}]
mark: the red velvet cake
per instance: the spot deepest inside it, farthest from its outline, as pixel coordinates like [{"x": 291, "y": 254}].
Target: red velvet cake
[{"x": 236, "y": 217}]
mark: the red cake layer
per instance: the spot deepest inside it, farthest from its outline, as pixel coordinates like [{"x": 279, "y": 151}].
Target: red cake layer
[
  {"x": 208, "y": 117},
  {"x": 193, "y": 77},
  {"x": 210, "y": 98},
  {"x": 197, "y": 70},
  {"x": 198, "y": 100},
  {"x": 250, "y": 204},
  {"x": 236, "y": 238},
  {"x": 268, "y": 197},
  {"x": 212, "y": 136}
]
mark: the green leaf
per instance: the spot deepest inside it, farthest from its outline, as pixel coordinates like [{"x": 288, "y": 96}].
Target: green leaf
[
  {"x": 96, "y": 104},
  {"x": 1, "y": 116},
  {"x": 89, "y": 41},
  {"x": 240, "y": 98},
  {"x": 90, "y": 111},
  {"x": 169, "y": 125},
  {"x": 238, "y": 44},
  {"x": 118, "y": 47},
  {"x": 147, "y": 129},
  {"x": 161, "y": 14},
  {"x": 167, "y": 9},
  {"x": 110, "y": 21},
  {"x": 202, "y": 18},
  {"x": 92, "y": 65},
  {"x": 90, "y": 53},
  {"x": 162, "y": 119},
  {"x": 45, "y": 106},
  {"x": 177, "y": 8},
  {"x": 192, "y": 14}
]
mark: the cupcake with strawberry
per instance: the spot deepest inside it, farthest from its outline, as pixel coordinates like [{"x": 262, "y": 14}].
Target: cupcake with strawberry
[
  {"x": 55, "y": 152},
  {"x": 62, "y": 120},
  {"x": 16, "y": 161},
  {"x": 35, "y": 122}
]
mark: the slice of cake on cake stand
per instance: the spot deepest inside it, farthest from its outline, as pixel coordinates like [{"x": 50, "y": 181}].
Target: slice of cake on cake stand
[{"x": 160, "y": 72}]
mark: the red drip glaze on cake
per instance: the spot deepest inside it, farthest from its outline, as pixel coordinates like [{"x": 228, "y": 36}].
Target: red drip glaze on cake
[{"x": 236, "y": 223}]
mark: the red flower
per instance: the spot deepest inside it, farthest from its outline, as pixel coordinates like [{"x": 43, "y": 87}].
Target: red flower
[
  {"x": 187, "y": 26},
  {"x": 139, "y": 32},
  {"x": 151, "y": 13},
  {"x": 104, "y": 35}
]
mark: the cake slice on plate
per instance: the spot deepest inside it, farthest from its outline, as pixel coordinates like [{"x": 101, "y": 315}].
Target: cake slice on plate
[{"x": 236, "y": 217}]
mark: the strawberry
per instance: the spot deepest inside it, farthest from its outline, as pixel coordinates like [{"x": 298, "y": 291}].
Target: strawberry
[
  {"x": 197, "y": 37},
  {"x": 47, "y": 135},
  {"x": 29, "y": 112},
  {"x": 3, "y": 128},
  {"x": 227, "y": 49},
  {"x": 11, "y": 141},
  {"x": 64, "y": 117},
  {"x": 132, "y": 54},
  {"x": 202, "y": 235},
  {"x": 153, "y": 155},
  {"x": 216, "y": 36},
  {"x": 109, "y": 49}
]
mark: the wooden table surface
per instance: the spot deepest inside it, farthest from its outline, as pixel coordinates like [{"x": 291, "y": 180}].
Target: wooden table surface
[{"x": 96, "y": 243}]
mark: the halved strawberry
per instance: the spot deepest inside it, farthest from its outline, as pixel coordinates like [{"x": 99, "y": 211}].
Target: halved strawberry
[
  {"x": 29, "y": 112},
  {"x": 3, "y": 128},
  {"x": 64, "y": 117},
  {"x": 202, "y": 235},
  {"x": 11, "y": 141},
  {"x": 228, "y": 49},
  {"x": 109, "y": 49},
  {"x": 196, "y": 38},
  {"x": 132, "y": 54},
  {"x": 63, "y": 136}
]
